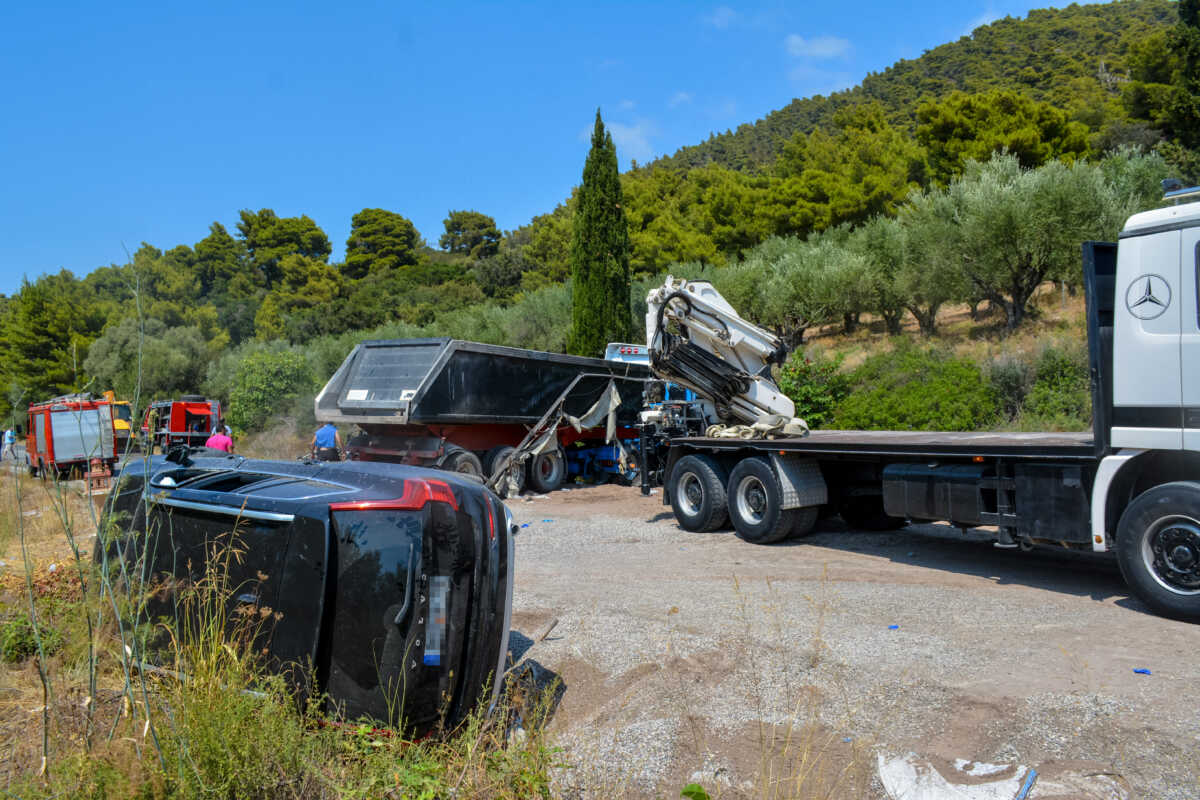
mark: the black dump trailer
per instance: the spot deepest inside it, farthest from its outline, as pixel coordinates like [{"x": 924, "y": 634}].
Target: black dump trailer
[
  {"x": 1075, "y": 490},
  {"x": 463, "y": 406}
]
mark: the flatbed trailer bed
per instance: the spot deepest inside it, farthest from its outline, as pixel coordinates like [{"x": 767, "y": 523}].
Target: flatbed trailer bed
[{"x": 1071, "y": 446}]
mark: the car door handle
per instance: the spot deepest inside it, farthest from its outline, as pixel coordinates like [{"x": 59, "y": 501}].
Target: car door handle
[{"x": 408, "y": 582}]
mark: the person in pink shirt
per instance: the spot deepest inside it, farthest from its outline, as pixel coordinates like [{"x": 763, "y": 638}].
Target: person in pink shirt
[{"x": 220, "y": 441}]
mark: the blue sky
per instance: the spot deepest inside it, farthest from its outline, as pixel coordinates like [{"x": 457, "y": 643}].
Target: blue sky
[{"x": 122, "y": 123}]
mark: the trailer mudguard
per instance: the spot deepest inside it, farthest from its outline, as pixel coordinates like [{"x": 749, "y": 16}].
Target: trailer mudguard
[{"x": 801, "y": 480}]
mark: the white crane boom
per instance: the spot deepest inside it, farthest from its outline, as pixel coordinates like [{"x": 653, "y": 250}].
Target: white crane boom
[{"x": 715, "y": 353}]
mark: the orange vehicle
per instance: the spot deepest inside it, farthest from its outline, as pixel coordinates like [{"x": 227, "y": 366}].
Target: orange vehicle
[
  {"x": 68, "y": 432},
  {"x": 189, "y": 420}
]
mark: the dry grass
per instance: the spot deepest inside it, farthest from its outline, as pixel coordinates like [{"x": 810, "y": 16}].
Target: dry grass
[
  {"x": 80, "y": 722},
  {"x": 284, "y": 441},
  {"x": 980, "y": 340}
]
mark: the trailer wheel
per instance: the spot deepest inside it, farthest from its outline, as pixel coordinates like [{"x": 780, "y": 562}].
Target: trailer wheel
[
  {"x": 1158, "y": 549},
  {"x": 497, "y": 455},
  {"x": 547, "y": 471},
  {"x": 865, "y": 513},
  {"x": 462, "y": 461},
  {"x": 805, "y": 521},
  {"x": 755, "y": 497},
  {"x": 697, "y": 492}
]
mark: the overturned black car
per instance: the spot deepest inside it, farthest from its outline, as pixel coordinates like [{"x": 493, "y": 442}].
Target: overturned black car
[{"x": 390, "y": 586}]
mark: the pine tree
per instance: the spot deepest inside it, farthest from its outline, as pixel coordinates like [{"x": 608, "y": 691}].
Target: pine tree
[
  {"x": 600, "y": 253},
  {"x": 1184, "y": 40}
]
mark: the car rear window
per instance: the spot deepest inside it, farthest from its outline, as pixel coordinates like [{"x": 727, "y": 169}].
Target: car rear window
[{"x": 377, "y": 552}]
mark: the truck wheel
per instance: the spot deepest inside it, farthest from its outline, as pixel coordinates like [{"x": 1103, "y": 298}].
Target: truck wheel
[
  {"x": 546, "y": 471},
  {"x": 462, "y": 461},
  {"x": 805, "y": 521},
  {"x": 865, "y": 513},
  {"x": 1158, "y": 549},
  {"x": 697, "y": 492},
  {"x": 754, "y": 502},
  {"x": 497, "y": 455}
]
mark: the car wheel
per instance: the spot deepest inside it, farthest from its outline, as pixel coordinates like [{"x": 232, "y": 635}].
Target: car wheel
[
  {"x": 755, "y": 499},
  {"x": 547, "y": 471},
  {"x": 1158, "y": 549},
  {"x": 697, "y": 493}
]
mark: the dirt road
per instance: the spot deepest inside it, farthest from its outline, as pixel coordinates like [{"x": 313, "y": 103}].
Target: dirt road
[{"x": 796, "y": 668}]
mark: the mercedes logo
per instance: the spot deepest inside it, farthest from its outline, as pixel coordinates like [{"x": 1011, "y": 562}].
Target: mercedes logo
[{"x": 1148, "y": 296}]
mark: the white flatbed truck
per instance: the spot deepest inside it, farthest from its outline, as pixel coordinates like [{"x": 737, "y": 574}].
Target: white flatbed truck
[{"x": 1131, "y": 486}]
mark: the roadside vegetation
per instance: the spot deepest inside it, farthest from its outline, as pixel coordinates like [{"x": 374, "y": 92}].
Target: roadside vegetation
[{"x": 79, "y": 719}]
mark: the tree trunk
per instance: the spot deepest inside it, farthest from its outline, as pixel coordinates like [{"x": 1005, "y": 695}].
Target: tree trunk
[
  {"x": 891, "y": 321},
  {"x": 926, "y": 320},
  {"x": 850, "y": 322}
]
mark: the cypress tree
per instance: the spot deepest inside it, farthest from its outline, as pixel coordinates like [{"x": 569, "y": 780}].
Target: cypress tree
[{"x": 599, "y": 254}]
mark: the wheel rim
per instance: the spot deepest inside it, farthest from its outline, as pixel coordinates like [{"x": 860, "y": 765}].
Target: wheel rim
[
  {"x": 690, "y": 494},
  {"x": 547, "y": 466},
  {"x": 1171, "y": 554},
  {"x": 751, "y": 500}
]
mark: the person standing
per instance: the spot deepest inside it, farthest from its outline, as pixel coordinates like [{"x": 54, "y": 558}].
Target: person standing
[
  {"x": 10, "y": 444},
  {"x": 220, "y": 441},
  {"x": 327, "y": 443}
]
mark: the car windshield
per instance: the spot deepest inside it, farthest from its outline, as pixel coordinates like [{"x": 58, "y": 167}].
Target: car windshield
[{"x": 123, "y": 412}]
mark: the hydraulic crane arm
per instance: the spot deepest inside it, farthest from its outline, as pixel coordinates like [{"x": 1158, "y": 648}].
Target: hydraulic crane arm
[{"x": 697, "y": 340}]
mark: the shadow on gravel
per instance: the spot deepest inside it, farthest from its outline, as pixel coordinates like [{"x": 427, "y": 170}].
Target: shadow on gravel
[{"x": 1079, "y": 573}]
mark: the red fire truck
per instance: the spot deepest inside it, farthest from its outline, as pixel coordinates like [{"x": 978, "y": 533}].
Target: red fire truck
[
  {"x": 189, "y": 420},
  {"x": 68, "y": 432}
]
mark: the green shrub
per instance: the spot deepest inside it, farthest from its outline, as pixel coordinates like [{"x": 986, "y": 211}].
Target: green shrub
[
  {"x": 18, "y": 643},
  {"x": 1010, "y": 379},
  {"x": 265, "y": 386},
  {"x": 815, "y": 385},
  {"x": 912, "y": 389},
  {"x": 1060, "y": 397}
]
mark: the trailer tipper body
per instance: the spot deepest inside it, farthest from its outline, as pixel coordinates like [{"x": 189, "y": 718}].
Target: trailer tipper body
[
  {"x": 1131, "y": 486},
  {"x": 464, "y": 406}
]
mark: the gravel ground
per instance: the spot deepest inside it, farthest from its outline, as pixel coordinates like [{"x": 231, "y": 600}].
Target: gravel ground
[{"x": 776, "y": 671}]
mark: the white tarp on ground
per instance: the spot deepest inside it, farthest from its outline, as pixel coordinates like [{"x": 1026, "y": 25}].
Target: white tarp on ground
[{"x": 912, "y": 777}]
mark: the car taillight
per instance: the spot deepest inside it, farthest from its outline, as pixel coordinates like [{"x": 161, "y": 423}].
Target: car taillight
[
  {"x": 417, "y": 492},
  {"x": 491, "y": 518}
]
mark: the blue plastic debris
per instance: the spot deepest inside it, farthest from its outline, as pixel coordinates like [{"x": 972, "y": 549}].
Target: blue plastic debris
[
  {"x": 524, "y": 524},
  {"x": 1029, "y": 779},
  {"x": 1142, "y": 671},
  {"x": 847, "y": 739},
  {"x": 893, "y": 627},
  {"x": 547, "y": 520}
]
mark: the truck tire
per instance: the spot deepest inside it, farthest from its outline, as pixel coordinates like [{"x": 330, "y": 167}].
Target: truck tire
[
  {"x": 805, "y": 521},
  {"x": 697, "y": 493},
  {"x": 865, "y": 513},
  {"x": 755, "y": 500},
  {"x": 547, "y": 471},
  {"x": 462, "y": 461},
  {"x": 493, "y": 459},
  {"x": 1158, "y": 549}
]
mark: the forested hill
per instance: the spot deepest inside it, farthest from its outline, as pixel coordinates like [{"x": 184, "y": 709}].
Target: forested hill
[{"x": 1068, "y": 57}]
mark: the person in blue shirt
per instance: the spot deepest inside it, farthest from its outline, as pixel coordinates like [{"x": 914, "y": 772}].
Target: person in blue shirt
[
  {"x": 10, "y": 444},
  {"x": 326, "y": 443}
]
